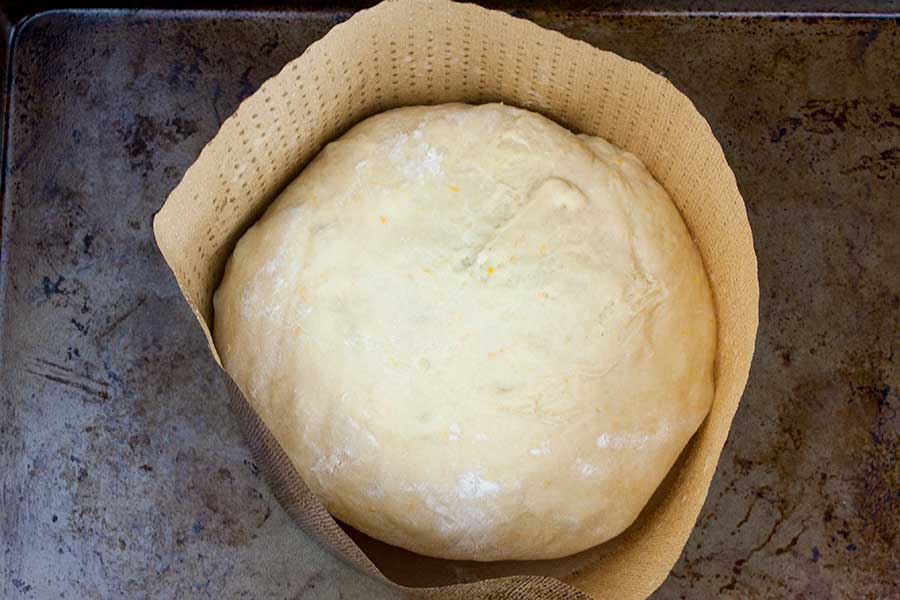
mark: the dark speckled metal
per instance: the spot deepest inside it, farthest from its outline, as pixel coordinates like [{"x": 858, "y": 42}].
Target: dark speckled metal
[{"x": 123, "y": 475}]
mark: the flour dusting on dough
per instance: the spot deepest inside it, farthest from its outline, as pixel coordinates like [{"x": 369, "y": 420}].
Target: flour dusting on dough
[
  {"x": 472, "y": 485},
  {"x": 426, "y": 161},
  {"x": 416, "y": 161},
  {"x": 325, "y": 465},
  {"x": 584, "y": 467},
  {"x": 622, "y": 441},
  {"x": 398, "y": 148},
  {"x": 542, "y": 449}
]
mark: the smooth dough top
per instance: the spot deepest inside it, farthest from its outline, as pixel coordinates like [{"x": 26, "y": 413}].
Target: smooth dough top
[{"x": 475, "y": 334}]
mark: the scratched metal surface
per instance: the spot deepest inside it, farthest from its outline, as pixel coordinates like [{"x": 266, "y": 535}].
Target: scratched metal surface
[{"x": 123, "y": 475}]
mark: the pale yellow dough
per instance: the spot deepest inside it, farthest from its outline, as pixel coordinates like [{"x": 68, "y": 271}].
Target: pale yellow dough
[{"x": 475, "y": 334}]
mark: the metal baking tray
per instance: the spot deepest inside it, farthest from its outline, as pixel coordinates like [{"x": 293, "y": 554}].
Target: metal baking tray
[{"x": 123, "y": 475}]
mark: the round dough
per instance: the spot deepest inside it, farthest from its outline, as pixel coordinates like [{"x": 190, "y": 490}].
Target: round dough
[{"x": 475, "y": 334}]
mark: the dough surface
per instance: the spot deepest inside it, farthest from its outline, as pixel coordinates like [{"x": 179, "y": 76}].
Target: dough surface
[{"x": 475, "y": 334}]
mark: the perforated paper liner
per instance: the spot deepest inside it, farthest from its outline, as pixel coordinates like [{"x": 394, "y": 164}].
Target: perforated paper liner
[{"x": 408, "y": 52}]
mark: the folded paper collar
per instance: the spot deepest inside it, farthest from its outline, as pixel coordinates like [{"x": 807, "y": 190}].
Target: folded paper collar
[{"x": 408, "y": 52}]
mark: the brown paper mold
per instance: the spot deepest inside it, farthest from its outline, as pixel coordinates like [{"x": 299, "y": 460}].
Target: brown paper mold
[{"x": 408, "y": 52}]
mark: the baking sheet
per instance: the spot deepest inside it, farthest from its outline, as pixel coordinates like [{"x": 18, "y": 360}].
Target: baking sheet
[{"x": 111, "y": 411}]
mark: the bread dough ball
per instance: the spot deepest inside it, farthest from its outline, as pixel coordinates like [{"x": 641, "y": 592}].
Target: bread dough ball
[{"x": 475, "y": 334}]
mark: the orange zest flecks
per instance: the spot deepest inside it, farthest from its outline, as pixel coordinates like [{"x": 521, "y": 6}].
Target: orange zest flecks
[
  {"x": 453, "y": 188},
  {"x": 619, "y": 160},
  {"x": 314, "y": 199},
  {"x": 490, "y": 271},
  {"x": 542, "y": 295},
  {"x": 495, "y": 353},
  {"x": 542, "y": 248},
  {"x": 301, "y": 291},
  {"x": 383, "y": 219}
]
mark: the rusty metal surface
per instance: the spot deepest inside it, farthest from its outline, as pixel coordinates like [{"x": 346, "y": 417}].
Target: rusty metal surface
[{"x": 122, "y": 473}]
